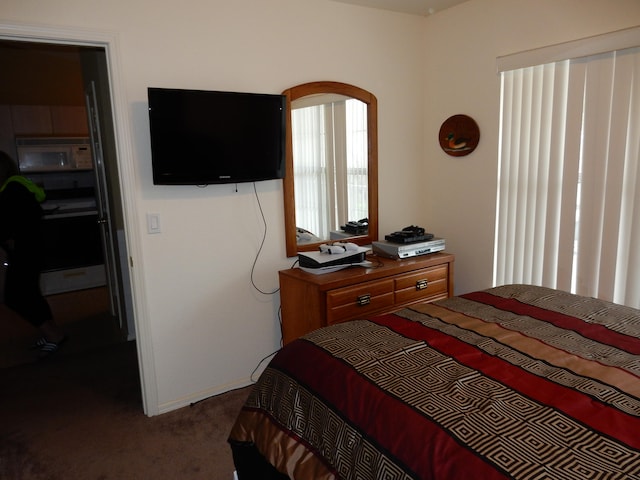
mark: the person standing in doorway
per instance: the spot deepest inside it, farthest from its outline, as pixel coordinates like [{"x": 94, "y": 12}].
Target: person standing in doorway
[{"x": 21, "y": 236}]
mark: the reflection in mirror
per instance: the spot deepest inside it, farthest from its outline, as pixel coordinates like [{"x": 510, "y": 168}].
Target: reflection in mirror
[
  {"x": 331, "y": 182},
  {"x": 329, "y": 134}
]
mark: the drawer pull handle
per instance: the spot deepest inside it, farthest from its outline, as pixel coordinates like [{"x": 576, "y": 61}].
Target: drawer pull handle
[
  {"x": 421, "y": 284},
  {"x": 364, "y": 299}
]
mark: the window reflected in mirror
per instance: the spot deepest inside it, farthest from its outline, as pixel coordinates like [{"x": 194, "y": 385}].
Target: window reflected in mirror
[
  {"x": 329, "y": 135},
  {"x": 331, "y": 183}
]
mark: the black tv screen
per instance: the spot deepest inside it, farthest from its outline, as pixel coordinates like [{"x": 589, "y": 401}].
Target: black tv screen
[{"x": 204, "y": 137}]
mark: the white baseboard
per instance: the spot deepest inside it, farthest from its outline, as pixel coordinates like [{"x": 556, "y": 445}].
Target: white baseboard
[{"x": 203, "y": 395}]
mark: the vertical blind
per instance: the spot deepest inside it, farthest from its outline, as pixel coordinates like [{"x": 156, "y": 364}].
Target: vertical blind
[
  {"x": 357, "y": 161},
  {"x": 331, "y": 164},
  {"x": 568, "y": 205},
  {"x": 311, "y": 171}
]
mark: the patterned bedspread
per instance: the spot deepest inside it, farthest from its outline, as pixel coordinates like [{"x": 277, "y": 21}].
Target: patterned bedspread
[{"x": 511, "y": 382}]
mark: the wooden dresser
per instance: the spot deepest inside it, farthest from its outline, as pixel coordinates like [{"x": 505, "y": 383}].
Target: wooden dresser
[{"x": 312, "y": 301}]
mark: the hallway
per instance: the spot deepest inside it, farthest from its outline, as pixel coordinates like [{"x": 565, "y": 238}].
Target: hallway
[{"x": 83, "y": 314}]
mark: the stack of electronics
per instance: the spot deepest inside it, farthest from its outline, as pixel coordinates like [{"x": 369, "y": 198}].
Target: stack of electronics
[
  {"x": 408, "y": 242},
  {"x": 361, "y": 227},
  {"x": 332, "y": 257}
]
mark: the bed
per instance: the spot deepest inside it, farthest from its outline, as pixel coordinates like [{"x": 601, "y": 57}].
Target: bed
[{"x": 515, "y": 381}]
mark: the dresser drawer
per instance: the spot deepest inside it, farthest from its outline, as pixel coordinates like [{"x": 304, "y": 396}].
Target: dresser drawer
[
  {"x": 423, "y": 285},
  {"x": 359, "y": 300},
  {"x": 311, "y": 301}
]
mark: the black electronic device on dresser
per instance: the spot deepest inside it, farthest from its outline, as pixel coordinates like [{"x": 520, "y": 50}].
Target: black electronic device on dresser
[
  {"x": 409, "y": 234},
  {"x": 411, "y": 241},
  {"x": 360, "y": 227}
]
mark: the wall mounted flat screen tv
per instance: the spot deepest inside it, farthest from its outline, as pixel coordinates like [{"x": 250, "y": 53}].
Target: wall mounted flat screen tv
[{"x": 205, "y": 137}]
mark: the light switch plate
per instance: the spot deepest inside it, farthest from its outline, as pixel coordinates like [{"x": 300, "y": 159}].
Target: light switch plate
[{"x": 153, "y": 223}]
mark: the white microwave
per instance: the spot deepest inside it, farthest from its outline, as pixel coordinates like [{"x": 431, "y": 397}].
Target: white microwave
[{"x": 52, "y": 154}]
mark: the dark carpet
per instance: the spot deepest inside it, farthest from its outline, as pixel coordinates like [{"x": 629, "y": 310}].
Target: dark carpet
[{"x": 80, "y": 416}]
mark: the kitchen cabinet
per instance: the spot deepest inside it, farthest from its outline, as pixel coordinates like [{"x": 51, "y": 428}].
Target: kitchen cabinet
[
  {"x": 31, "y": 120},
  {"x": 69, "y": 120},
  {"x": 48, "y": 120}
]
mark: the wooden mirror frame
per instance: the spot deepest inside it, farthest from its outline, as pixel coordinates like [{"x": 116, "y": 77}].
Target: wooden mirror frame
[{"x": 314, "y": 88}]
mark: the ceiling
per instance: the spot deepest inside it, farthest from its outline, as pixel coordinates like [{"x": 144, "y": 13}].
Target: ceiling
[{"x": 415, "y": 7}]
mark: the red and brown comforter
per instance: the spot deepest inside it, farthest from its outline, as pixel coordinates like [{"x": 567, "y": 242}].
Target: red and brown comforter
[{"x": 511, "y": 382}]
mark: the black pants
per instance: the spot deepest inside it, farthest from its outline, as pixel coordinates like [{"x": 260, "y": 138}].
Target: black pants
[{"x": 23, "y": 295}]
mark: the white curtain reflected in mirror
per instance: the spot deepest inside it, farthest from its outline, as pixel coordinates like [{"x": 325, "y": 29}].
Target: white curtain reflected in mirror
[{"x": 330, "y": 151}]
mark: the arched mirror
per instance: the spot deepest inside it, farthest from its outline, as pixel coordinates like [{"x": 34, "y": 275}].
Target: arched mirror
[{"x": 331, "y": 182}]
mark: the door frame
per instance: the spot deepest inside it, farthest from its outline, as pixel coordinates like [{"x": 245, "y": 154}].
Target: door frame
[{"x": 127, "y": 180}]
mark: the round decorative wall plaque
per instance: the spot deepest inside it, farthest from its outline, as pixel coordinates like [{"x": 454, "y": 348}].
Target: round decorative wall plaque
[{"x": 459, "y": 135}]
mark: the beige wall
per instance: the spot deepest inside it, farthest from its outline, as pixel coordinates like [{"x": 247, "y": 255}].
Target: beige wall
[
  {"x": 461, "y": 46},
  {"x": 205, "y": 327}
]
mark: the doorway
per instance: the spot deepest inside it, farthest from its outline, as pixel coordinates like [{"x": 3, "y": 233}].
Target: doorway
[{"x": 60, "y": 90}]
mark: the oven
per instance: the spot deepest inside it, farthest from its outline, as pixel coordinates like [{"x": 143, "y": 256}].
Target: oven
[
  {"x": 74, "y": 253},
  {"x": 74, "y": 258}
]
